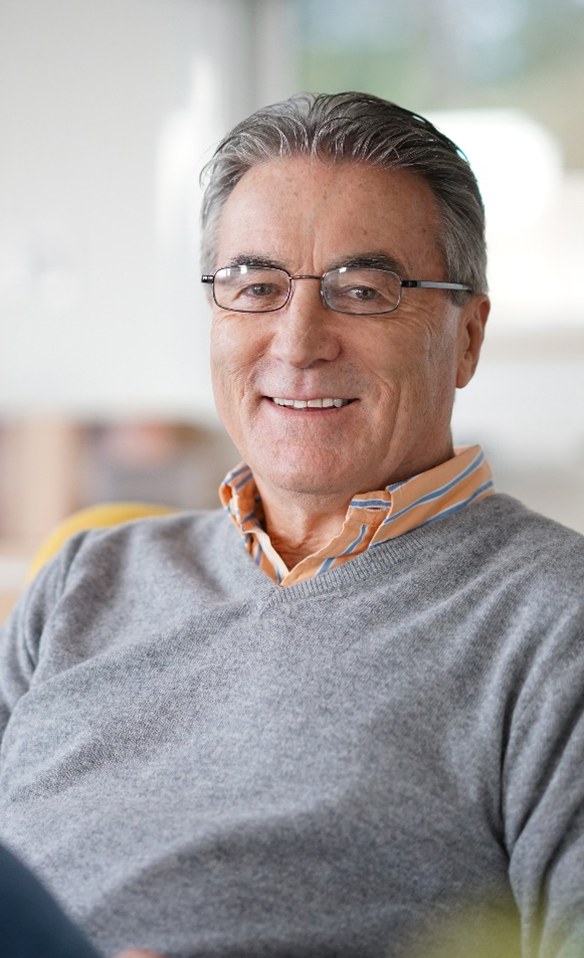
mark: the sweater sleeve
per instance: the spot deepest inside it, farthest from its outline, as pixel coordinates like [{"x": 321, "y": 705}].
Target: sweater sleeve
[
  {"x": 543, "y": 791},
  {"x": 21, "y": 634}
]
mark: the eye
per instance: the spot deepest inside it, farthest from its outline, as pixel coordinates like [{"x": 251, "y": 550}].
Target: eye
[
  {"x": 362, "y": 293},
  {"x": 262, "y": 286},
  {"x": 362, "y": 290},
  {"x": 263, "y": 295},
  {"x": 259, "y": 290},
  {"x": 360, "y": 297},
  {"x": 251, "y": 289}
]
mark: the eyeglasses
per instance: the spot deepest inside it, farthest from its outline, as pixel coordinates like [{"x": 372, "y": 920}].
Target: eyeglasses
[{"x": 354, "y": 290}]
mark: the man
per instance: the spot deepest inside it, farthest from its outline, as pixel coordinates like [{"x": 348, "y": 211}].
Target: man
[{"x": 343, "y": 717}]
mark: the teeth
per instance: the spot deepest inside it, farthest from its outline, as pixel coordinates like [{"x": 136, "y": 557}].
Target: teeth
[{"x": 311, "y": 403}]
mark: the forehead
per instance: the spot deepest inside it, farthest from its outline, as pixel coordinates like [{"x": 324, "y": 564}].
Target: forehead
[{"x": 307, "y": 212}]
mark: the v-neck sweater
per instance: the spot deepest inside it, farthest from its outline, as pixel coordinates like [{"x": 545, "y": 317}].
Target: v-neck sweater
[{"x": 203, "y": 763}]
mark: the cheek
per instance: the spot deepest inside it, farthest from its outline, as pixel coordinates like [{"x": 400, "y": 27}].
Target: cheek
[
  {"x": 224, "y": 380},
  {"x": 392, "y": 360},
  {"x": 229, "y": 351},
  {"x": 414, "y": 370},
  {"x": 226, "y": 392},
  {"x": 236, "y": 357}
]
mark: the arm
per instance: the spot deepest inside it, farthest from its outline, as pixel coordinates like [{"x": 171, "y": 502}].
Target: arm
[
  {"x": 30, "y": 917},
  {"x": 21, "y": 634},
  {"x": 543, "y": 792}
]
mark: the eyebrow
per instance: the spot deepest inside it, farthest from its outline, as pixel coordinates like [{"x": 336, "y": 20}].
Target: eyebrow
[
  {"x": 372, "y": 260},
  {"x": 253, "y": 259}
]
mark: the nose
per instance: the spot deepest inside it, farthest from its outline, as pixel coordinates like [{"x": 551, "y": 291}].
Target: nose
[{"x": 305, "y": 331}]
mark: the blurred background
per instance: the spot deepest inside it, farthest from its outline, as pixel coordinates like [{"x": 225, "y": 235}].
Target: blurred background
[{"x": 108, "y": 110}]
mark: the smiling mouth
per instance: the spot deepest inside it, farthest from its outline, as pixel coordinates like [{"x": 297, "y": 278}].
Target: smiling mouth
[{"x": 311, "y": 403}]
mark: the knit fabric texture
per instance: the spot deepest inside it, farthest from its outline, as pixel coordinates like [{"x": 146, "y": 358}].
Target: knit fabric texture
[{"x": 383, "y": 761}]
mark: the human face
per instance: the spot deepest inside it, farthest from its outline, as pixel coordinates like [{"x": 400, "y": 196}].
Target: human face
[{"x": 397, "y": 373}]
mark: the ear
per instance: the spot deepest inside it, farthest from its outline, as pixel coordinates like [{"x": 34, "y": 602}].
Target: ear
[{"x": 473, "y": 320}]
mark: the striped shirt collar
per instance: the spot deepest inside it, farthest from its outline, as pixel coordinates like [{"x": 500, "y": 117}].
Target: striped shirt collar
[{"x": 372, "y": 517}]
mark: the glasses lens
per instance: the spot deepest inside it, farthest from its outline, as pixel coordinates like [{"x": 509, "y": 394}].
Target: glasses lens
[
  {"x": 251, "y": 289},
  {"x": 363, "y": 292}
]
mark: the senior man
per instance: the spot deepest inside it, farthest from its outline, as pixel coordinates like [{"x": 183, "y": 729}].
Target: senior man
[{"x": 343, "y": 715}]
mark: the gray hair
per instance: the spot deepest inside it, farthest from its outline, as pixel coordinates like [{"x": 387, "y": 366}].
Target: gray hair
[{"x": 361, "y": 128}]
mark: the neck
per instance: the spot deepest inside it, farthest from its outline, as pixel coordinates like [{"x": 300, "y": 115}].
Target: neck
[{"x": 298, "y": 527}]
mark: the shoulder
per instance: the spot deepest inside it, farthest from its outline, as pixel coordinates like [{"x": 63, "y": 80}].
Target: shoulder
[
  {"x": 149, "y": 541},
  {"x": 152, "y": 562},
  {"x": 530, "y": 570},
  {"x": 510, "y": 558},
  {"x": 508, "y": 530},
  {"x": 140, "y": 550}
]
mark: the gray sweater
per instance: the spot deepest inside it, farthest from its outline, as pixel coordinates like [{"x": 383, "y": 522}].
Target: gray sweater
[{"x": 372, "y": 763}]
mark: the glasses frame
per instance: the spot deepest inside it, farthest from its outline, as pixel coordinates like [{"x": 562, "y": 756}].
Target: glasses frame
[{"x": 403, "y": 283}]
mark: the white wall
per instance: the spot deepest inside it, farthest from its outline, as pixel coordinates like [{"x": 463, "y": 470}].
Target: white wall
[{"x": 107, "y": 110}]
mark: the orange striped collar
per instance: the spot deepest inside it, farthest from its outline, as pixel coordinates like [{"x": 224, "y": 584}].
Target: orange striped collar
[{"x": 372, "y": 517}]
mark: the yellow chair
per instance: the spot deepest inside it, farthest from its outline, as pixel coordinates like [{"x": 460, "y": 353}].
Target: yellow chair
[{"x": 94, "y": 517}]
